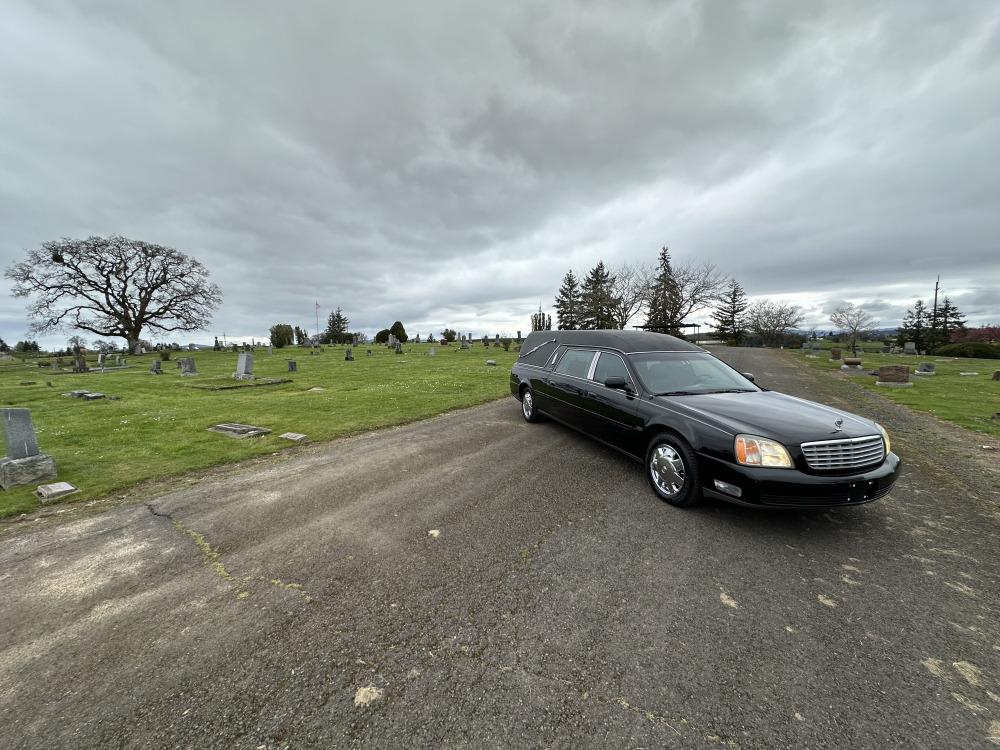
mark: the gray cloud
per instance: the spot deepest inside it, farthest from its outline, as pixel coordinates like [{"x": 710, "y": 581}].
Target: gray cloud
[{"x": 444, "y": 163}]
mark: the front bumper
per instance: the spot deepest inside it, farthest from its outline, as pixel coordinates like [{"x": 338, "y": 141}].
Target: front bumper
[{"x": 791, "y": 488}]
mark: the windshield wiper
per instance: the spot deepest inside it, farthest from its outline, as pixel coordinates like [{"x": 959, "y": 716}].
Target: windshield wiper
[
  {"x": 679, "y": 393},
  {"x": 731, "y": 390}
]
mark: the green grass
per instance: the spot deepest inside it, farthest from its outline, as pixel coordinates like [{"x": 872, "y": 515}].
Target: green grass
[
  {"x": 159, "y": 427},
  {"x": 969, "y": 401}
]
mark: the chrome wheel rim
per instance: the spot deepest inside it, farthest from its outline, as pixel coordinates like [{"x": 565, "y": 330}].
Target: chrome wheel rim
[
  {"x": 526, "y": 404},
  {"x": 666, "y": 468}
]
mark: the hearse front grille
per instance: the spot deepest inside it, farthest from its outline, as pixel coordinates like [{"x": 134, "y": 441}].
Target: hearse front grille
[{"x": 850, "y": 453}]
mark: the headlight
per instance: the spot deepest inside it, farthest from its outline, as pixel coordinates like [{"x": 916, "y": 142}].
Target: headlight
[
  {"x": 758, "y": 451},
  {"x": 885, "y": 437}
]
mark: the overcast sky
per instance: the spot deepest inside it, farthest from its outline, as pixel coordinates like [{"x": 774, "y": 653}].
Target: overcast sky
[{"x": 445, "y": 163}]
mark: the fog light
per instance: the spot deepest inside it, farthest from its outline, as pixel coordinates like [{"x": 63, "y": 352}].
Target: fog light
[{"x": 729, "y": 489}]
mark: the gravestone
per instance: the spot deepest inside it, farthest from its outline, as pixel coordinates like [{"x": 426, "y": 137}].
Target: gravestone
[
  {"x": 835, "y": 354},
  {"x": 23, "y": 463},
  {"x": 154, "y": 367},
  {"x": 996, "y": 375},
  {"x": 519, "y": 337},
  {"x": 79, "y": 362},
  {"x": 392, "y": 341},
  {"x": 54, "y": 366},
  {"x": 295, "y": 437},
  {"x": 886, "y": 349},
  {"x": 491, "y": 363},
  {"x": 247, "y": 348},
  {"x": 851, "y": 362},
  {"x": 48, "y": 493},
  {"x": 465, "y": 344},
  {"x": 239, "y": 431},
  {"x": 399, "y": 348},
  {"x": 928, "y": 367},
  {"x": 188, "y": 367},
  {"x": 293, "y": 366},
  {"x": 244, "y": 366},
  {"x": 897, "y": 376},
  {"x": 486, "y": 341},
  {"x": 349, "y": 355},
  {"x": 100, "y": 360},
  {"x": 431, "y": 354},
  {"x": 909, "y": 347},
  {"x": 369, "y": 353}
]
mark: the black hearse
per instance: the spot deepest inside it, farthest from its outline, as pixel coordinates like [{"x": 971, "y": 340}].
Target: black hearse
[{"x": 698, "y": 425}]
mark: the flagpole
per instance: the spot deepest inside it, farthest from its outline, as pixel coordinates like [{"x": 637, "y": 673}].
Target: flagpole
[{"x": 317, "y": 321}]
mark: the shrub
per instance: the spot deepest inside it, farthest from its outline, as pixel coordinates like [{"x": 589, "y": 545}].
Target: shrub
[
  {"x": 282, "y": 335},
  {"x": 506, "y": 344},
  {"x": 165, "y": 354},
  {"x": 382, "y": 336},
  {"x": 399, "y": 332},
  {"x": 969, "y": 349}
]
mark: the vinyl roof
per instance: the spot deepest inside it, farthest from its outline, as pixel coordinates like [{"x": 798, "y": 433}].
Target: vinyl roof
[{"x": 625, "y": 341}]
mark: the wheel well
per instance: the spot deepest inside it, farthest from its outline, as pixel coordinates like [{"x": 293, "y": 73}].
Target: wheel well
[
  {"x": 521, "y": 390},
  {"x": 654, "y": 431}
]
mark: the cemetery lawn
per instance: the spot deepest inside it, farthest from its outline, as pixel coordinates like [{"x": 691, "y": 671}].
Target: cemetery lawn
[
  {"x": 969, "y": 401},
  {"x": 159, "y": 427}
]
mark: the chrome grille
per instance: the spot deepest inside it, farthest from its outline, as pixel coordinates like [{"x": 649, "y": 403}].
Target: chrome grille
[{"x": 832, "y": 455}]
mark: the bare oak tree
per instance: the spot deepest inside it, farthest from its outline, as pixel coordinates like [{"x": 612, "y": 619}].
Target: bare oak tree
[
  {"x": 769, "y": 320},
  {"x": 630, "y": 291},
  {"x": 853, "y": 321},
  {"x": 114, "y": 286},
  {"x": 699, "y": 285}
]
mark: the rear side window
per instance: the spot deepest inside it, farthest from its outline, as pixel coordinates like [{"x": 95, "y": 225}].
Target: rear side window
[
  {"x": 575, "y": 362},
  {"x": 610, "y": 366},
  {"x": 538, "y": 353}
]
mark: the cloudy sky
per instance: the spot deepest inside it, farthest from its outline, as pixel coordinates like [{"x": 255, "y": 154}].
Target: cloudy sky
[{"x": 445, "y": 163}]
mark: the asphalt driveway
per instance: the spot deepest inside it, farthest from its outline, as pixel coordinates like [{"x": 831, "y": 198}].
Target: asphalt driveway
[{"x": 473, "y": 580}]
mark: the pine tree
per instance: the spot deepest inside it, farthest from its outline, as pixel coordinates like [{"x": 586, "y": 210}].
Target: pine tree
[
  {"x": 915, "y": 326},
  {"x": 949, "y": 323},
  {"x": 337, "y": 328},
  {"x": 397, "y": 330},
  {"x": 538, "y": 320},
  {"x": 664, "y": 298},
  {"x": 597, "y": 299},
  {"x": 728, "y": 316},
  {"x": 568, "y": 303}
]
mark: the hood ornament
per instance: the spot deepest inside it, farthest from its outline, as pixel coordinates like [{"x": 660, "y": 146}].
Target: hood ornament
[{"x": 839, "y": 425}]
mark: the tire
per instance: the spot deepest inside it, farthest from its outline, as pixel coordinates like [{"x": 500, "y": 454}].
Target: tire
[
  {"x": 672, "y": 471},
  {"x": 528, "y": 409}
]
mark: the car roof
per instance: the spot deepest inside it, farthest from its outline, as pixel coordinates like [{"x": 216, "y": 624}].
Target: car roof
[{"x": 628, "y": 342}]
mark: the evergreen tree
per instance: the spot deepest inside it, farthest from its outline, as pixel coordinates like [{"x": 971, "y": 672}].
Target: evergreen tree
[
  {"x": 950, "y": 322},
  {"x": 540, "y": 321},
  {"x": 568, "y": 304},
  {"x": 597, "y": 299},
  {"x": 664, "y": 298},
  {"x": 729, "y": 314},
  {"x": 301, "y": 337},
  {"x": 336, "y": 328},
  {"x": 282, "y": 335},
  {"x": 915, "y": 327},
  {"x": 397, "y": 330}
]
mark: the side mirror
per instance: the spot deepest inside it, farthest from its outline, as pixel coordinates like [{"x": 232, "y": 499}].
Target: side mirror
[
  {"x": 748, "y": 376},
  {"x": 616, "y": 381}
]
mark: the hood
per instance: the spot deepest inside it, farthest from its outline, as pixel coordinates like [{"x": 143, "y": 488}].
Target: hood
[{"x": 783, "y": 418}]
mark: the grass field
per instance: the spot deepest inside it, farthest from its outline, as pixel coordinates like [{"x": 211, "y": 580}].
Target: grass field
[
  {"x": 158, "y": 428},
  {"x": 969, "y": 401}
]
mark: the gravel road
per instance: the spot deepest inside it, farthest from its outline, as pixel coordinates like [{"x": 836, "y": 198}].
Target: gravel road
[{"x": 476, "y": 581}]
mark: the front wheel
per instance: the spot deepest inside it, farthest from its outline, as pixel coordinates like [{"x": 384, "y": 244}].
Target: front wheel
[
  {"x": 528, "y": 410},
  {"x": 672, "y": 471}
]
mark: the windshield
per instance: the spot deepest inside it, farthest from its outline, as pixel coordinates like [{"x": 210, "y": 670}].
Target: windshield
[{"x": 687, "y": 373}]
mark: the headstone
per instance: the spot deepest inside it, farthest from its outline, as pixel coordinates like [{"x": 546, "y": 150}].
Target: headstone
[
  {"x": 23, "y": 463},
  {"x": 486, "y": 341},
  {"x": 154, "y": 367},
  {"x": 296, "y": 437},
  {"x": 237, "y": 430},
  {"x": 54, "y": 365},
  {"x": 293, "y": 366},
  {"x": 270, "y": 351},
  {"x": 491, "y": 363},
  {"x": 349, "y": 355},
  {"x": 244, "y": 366},
  {"x": 894, "y": 375},
  {"x": 996, "y": 375},
  {"x": 926, "y": 367},
  {"x": 188, "y": 366},
  {"x": 369, "y": 353},
  {"x": 909, "y": 347},
  {"x": 93, "y": 396},
  {"x": 48, "y": 493},
  {"x": 465, "y": 343},
  {"x": 76, "y": 394},
  {"x": 399, "y": 348},
  {"x": 852, "y": 362},
  {"x": 519, "y": 337},
  {"x": 19, "y": 433},
  {"x": 247, "y": 348},
  {"x": 835, "y": 354},
  {"x": 967, "y": 374},
  {"x": 431, "y": 354},
  {"x": 100, "y": 360},
  {"x": 886, "y": 349}
]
